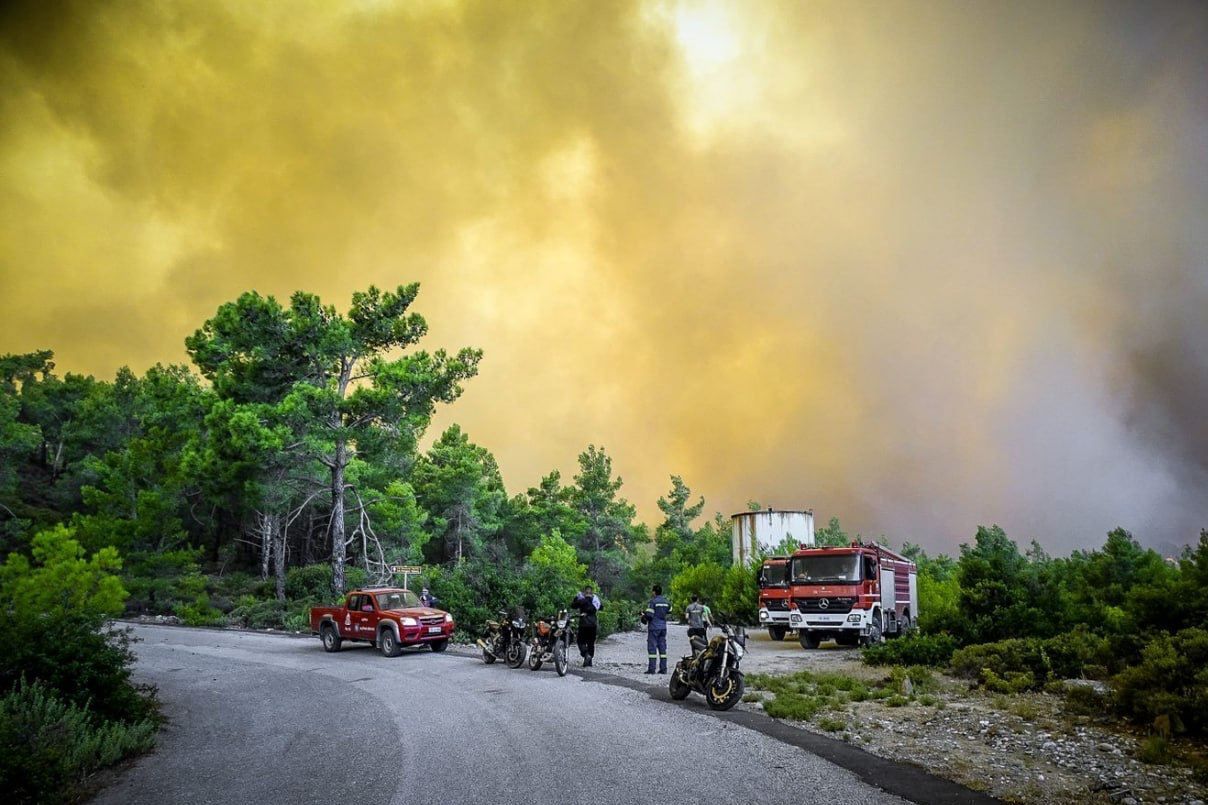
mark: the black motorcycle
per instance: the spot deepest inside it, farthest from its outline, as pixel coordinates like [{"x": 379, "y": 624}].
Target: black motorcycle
[
  {"x": 550, "y": 641},
  {"x": 505, "y": 638},
  {"x": 712, "y": 670}
]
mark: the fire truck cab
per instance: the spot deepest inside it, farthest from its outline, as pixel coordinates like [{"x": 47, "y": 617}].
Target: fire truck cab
[
  {"x": 774, "y": 596},
  {"x": 855, "y": 594}
]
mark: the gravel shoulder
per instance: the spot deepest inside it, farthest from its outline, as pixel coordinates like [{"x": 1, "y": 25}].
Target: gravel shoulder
[{"x": 1021, "y": 748}]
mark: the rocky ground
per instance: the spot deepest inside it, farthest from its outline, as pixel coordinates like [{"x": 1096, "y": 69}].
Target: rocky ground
[{"x": 1020, "y": 748}]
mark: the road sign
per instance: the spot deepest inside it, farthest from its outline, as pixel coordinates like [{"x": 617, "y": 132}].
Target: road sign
[{"x": 408, "y": 569}]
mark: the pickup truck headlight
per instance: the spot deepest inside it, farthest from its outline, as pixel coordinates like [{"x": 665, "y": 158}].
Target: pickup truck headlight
[
  {"x": 448, "y": 618},
  {"x": 408, "y": 621}
]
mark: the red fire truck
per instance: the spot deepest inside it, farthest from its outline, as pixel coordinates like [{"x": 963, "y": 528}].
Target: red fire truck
[
  {"x": 854, "y": 594},
  {"x": 774, "y": 596}
]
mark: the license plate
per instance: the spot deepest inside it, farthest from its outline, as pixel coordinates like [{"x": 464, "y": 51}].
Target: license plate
[{"x": 433, "y": 630}]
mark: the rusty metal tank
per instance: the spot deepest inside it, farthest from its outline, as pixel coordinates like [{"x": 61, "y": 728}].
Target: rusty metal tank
[{"x": 761, "y": 531}]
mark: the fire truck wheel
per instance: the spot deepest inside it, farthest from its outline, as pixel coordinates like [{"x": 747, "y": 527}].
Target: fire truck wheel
[
  {"x": 331, "y": 638},
  {"x": 777, "y": 632},
  {"x": 808, "y": 639},
  {"x": 875, "y": 634}
]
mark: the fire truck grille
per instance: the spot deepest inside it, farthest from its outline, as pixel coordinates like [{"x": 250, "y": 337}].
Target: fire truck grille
[
  {"x": 777, "y": 604},
  {"x": 835, "y": 606}
]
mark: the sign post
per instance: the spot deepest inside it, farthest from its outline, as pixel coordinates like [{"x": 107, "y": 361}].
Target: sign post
[{"x": 406, "y": 571}]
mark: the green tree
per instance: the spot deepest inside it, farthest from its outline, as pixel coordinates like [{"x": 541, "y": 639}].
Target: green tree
[
  {"x": 675, "y": 534},
  {"x": 608, "y": 535},
  {"x": 459, "y": 485},
  {"x": 553, "y": 574},
  {"x": 832, "y": 534},
  {"x": 335, "y": 371}
]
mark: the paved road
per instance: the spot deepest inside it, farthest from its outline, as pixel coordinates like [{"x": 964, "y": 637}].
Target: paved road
[{"x": 264, "y": 719}]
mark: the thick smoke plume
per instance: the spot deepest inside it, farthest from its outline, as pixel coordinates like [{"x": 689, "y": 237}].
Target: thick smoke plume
[{"x": 920, "y": 265}]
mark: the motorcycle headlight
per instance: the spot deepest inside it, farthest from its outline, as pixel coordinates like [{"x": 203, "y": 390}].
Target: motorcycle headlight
[
  {"x": 517, "y": 624},
  {"x": 408, "y": 621}
]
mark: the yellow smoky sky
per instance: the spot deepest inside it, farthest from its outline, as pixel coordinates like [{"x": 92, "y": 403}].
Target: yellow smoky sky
[{"x": 904, "y": 263}]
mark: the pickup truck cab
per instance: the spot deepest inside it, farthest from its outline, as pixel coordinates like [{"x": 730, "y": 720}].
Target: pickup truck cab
[{"x": 387, "y": 617}]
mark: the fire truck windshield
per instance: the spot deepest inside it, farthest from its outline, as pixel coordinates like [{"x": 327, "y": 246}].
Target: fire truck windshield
[
  {"x": 774, "y": 575},
  {"x": 840, "y": 569}
]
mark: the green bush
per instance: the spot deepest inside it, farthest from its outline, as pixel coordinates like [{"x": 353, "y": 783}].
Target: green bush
[
  {"x": 313, "y": 582},
  {"x": 913, "y": 649},
  {"x": 48, "y": 746},
  {"x": 160, "y": 582},
  {"x": 1170, "y": 685},
  {"x": 54, "y": 632},
  {"x": 1078, "y": 653},
  {"x": 1006, "y": 665}
]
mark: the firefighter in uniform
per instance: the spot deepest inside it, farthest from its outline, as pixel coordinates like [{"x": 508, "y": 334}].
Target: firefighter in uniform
[{"x": 655, "y": 618}]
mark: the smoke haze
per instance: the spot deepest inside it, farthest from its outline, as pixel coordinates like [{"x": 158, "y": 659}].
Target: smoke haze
[{"x": 918, "y": 265}]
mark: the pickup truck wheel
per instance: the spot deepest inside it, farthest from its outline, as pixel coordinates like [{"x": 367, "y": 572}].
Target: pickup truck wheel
[
  {"x": 330, "y": 637},
  {"x": 388, "y": 643},
  {"x": 440, "y": 645},
  {"x": 808, "y": 639}
]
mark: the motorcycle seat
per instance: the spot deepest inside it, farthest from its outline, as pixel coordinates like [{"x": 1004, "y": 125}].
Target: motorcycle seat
[{"x": 698, "y": 643}]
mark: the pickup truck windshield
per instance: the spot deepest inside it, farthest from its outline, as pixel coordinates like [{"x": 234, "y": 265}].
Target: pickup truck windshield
[
  {"x": 402, "y": 599},
  {"x": 776, "y": 575},
  {"x": 842, "y": 569}
]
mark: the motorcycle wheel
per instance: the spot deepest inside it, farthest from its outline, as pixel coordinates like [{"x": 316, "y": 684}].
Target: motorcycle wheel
[
  {"x": 517, "y": 654},
  {"x": 560, "y": 662},
  {"x": 534, "y": 659},
  {"x": 722, "y": 694},
  {"x": 678, "y": 688},
  {"x": 487, "y": 657}
]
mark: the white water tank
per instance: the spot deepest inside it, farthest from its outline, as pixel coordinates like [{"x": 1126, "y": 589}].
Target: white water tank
[{"x": 761, "y": 531}]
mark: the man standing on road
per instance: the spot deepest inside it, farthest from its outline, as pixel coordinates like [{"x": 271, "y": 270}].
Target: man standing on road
[
  {"x": 698, "y": 618},
  {"x": 655, "y": 618},
  {"x": 588, "y": 605}
]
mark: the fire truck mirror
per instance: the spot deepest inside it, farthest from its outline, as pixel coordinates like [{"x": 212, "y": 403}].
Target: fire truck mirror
[{"x": 870, "y": 568}]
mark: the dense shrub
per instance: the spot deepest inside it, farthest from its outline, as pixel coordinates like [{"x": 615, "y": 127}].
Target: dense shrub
[
  {"x": 159, "y": 583},
  {"x": 1170, "y": 685},
  {"x": 731, "y": 592},
  {"x": 1031, "y": 662},
  {"x": 314, "y": 581},
  {"x": 913, "y": 649},
  {"x": 48, "y": 746}
]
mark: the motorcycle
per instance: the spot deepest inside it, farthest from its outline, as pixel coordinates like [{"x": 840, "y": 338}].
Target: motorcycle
[
  {"x": 505, "y": 638},
  {"x": 712, "y": 670},
  {"x": 550, "y": 641}
]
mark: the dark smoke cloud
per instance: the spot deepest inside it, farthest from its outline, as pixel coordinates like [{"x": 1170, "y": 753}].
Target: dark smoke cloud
[{"x": 921, "y": 266}]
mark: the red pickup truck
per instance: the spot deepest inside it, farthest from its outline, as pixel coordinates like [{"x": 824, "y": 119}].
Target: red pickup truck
[{"x": 388, "y": 617}]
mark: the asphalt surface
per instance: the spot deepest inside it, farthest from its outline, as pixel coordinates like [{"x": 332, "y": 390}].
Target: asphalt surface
[{"x": 257, "y": 718}]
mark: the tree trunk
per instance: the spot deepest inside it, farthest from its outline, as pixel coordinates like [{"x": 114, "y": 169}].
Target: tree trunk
[
  {"x": 339, "y": 550},
  {"x": 279, "y": 557},
  {"x": 266, "y": 543}
]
